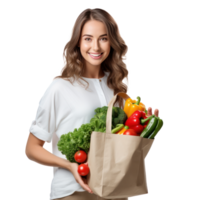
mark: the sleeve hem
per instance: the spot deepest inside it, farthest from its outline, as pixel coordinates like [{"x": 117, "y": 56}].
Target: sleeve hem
[{"x": 39, "y": 132}]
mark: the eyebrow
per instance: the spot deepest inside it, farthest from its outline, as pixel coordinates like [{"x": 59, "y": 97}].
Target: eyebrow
[{"x": 92, "y": 36}]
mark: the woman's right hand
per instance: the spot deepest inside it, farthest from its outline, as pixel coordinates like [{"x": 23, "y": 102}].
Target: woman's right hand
[{"x": 79, "y": 179}]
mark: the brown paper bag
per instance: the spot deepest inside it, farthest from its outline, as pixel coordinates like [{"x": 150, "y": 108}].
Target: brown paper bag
[{"x": 116, "y": 162}]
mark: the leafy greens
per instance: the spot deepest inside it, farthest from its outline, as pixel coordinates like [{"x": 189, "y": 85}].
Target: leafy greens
[{"x": 79, "y": 139}]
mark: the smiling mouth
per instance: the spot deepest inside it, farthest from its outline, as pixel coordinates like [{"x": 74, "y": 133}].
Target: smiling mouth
[
  {"x": 95, "y": 56},
  {"x": 96, "y": 53}
]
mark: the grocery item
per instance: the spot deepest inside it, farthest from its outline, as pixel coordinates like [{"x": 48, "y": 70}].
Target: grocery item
[
  {"x": 137, "y": 121},
  {"x": 83, "y": 169},
  {"x": 79, "y": 139},
  {"x": 132, "y": 105},
  {"x": 121, "y": 131},
  {"x": 130, "y": 132},
  {"x": 125, "y": 130},
  {"x": 117, "y": 128},
  {"x": 150, "y": 127},
  {"x": 80, "y": 156},
  {"x": 158, "y": 127}
]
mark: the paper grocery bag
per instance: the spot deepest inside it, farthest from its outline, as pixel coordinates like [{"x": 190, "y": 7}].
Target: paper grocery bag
[{"x": 116, "y": 162}]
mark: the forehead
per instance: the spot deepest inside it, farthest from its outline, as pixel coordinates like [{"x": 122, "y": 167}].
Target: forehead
[{"x": 94, "y": 28}]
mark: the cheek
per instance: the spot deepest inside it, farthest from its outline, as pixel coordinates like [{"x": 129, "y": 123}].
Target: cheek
[
  {"x": 107, "y": 48},
  {"x": 85, "y": 47}
]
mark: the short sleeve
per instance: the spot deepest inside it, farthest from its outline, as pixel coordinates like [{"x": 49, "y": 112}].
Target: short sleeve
[{"x": 44, "y": 124}]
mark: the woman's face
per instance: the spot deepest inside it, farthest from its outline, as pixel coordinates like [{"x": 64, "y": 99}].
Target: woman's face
[{"x": 94, "y": 41}]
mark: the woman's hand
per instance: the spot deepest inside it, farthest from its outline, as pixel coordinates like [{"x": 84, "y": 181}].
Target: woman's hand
[
  {"x": 149, "y": 112},
  {"x": 79, "y": 179}
]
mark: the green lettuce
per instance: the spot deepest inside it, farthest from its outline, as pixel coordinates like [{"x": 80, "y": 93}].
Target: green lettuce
[{"x": 79, "y": 139}]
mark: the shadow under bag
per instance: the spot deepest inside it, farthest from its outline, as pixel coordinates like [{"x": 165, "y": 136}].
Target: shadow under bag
[{"x": 116, "y": 162}]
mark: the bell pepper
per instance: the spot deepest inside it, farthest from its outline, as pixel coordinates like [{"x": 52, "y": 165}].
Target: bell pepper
[
  {"x": 138, "y": 121},
  {"x": 132, "y": 105}
]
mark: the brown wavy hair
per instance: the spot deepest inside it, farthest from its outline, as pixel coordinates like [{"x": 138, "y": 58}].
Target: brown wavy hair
[{"x": 113, "y": 64}]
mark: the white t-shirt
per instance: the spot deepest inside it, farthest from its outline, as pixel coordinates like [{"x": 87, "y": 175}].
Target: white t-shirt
[{"x": 63, "y": 108}]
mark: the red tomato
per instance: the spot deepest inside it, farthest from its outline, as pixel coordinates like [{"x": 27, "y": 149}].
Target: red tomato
[
  {"x": 83, "y": 169},
  {"x": 80, "y": 156},
  {"x": 131, "y": 132}
]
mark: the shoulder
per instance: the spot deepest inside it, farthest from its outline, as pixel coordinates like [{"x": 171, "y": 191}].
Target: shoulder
[
  {"x": 57, "y": 84},
  {"x": 53, "y": 90}
]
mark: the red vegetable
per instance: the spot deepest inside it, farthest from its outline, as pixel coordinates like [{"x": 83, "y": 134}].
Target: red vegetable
[
  {"x": 137, "y": 121},
  {"x": 80, "y": 156},
  {"x": 83, "y": 169},
  {"x": 130, "y": 132}
]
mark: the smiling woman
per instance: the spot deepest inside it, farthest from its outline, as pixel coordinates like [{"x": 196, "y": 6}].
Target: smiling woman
[
  {"x": 96, "y": 47},
  {"x": 93, "y": 55}
]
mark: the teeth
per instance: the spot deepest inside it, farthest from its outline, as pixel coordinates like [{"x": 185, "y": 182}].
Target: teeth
[{"x": 95, "y": 54}]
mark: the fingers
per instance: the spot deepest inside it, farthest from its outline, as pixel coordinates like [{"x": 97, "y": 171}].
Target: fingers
[
  {"x": 83, "y": 183},
  {"x": 149, "y": 112},
  {"x": 86, "y": 162},
  {"x": 79, "y": 179},
  {"x": 156, "y": 111}
]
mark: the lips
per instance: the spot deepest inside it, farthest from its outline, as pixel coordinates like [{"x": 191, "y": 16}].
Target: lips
[{"x": 99, "y": 56}]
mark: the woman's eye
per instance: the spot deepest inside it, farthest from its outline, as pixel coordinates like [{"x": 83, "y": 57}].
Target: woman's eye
[{"x": 87, "y": 39}]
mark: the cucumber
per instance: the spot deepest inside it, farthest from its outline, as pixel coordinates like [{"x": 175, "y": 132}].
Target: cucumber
[
  {"x": 150, "y": 127},
  {"x": 158, "y": 127}
]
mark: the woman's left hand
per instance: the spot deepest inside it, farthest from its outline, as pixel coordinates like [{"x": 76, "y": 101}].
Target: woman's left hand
[{"x": 149, "y": 112}]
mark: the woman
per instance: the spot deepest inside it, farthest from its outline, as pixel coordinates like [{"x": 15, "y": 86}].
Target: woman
[{"x": 94, "y": 56}]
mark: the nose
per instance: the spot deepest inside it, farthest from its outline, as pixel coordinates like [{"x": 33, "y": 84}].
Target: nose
[{"x": 95, "y": 45}]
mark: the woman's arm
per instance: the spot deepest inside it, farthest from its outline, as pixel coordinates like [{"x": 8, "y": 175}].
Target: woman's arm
[{"x": 35, "y": 151}]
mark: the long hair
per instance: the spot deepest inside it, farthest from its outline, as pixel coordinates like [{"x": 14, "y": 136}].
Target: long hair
[{"x": 113, "y": 64}]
